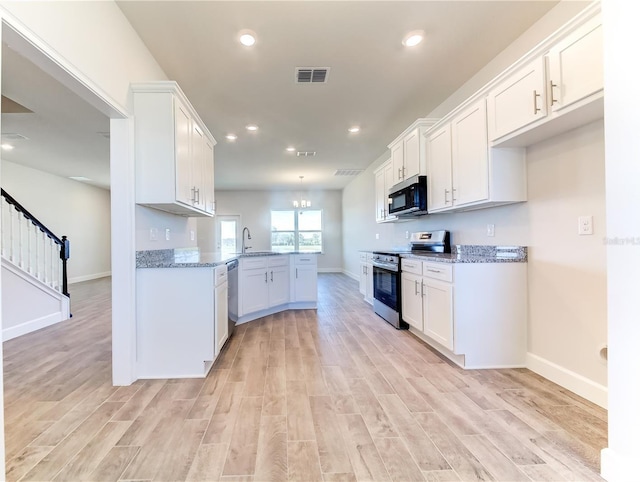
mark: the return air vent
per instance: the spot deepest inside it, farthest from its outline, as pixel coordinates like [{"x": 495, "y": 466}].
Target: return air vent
[
  {"x": 347, "y": 172},
  {"x": 312, "y": 75},
  {"x": 306, "y": 153}
]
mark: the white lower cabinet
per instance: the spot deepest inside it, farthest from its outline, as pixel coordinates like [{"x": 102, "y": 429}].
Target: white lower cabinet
[
  {"x": 304, "y": 282},
  {"x": 473, "y": 313},
  {"x": 221, "y": 308},
  {"x": 366, "y": 276},
  {"x": 175, "y": 316},
  {"x": 268, "y": 284}
]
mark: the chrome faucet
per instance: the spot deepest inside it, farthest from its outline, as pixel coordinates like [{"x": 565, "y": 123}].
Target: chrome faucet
[{"x": 244, "y": 247}]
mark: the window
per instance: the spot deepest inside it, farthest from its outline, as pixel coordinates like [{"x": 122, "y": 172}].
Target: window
[
  {"x": 296, "y": 230},
  {"x": 228, "y": 236}
]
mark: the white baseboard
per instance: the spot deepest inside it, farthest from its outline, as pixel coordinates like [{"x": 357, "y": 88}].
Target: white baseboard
[
  {"x": 329, "y": 270},
  {"x": 351, "y": 275},
  {"x": 616, "y": 467},
  {"x": 570, "y": 380},
  {"x": 31, "y": 326},
  {"x": 89, "y": 277}
]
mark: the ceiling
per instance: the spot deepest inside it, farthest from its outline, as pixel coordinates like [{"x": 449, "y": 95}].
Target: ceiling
[
  {"x": 374, "y": 82},
  {"x": 64, "y": 134}
]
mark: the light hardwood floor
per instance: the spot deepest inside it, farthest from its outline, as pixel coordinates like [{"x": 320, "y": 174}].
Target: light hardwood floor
[{"x": 336, "y": 394}]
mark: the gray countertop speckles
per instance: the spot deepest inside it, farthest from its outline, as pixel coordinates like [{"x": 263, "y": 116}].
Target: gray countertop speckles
[
  {"x": 193, "y": 258},
  {"x": 474, "y": 253}
]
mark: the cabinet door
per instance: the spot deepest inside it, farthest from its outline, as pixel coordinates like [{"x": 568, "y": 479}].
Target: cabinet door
[
  {"x": 278, "y": 285},
  {"x": 306, "y": 283},
  {"x": 255, "y": 290},
  {"x": 198, "y": 166},
  {"x": 411, "y": 154},
  {"x": 388, "y": 182},
  {"x": 518, "y": 101},
  {"x": 380, "y": 196},
  {"x": 209, "y": 199},
  {"x": 184, "y": 191},
  {"x": 470, "y": 155},
  {"x": 575, "y": 66},
  {"x": 411, "y": 289},
  {"x": 222, "y": 317},
  {"x": 397, "y": 162},
  {"x": 363, "y": 279},
  {"x": 369, "y": 295},
  {"x": 439, "y": 169},
  {"x": 438, "y": 312}
]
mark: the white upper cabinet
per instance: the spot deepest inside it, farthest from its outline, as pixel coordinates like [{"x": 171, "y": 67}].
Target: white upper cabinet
[
  {"x": 173, "y": 152},
  {"x": 439, "y": 180},
  {"x": 556, "y": 88},
  {"x": 383, "y": 182},
  {"x": 575, "y": 66},
  {"x": 469, "y": 154},
  {"x": 518, "y": 100},
  {"x": 408, "y": 152},
  {"x": 464, "y": 173}
]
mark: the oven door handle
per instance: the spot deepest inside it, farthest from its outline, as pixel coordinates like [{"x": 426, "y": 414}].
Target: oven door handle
[{"x": 386, "y": 266}]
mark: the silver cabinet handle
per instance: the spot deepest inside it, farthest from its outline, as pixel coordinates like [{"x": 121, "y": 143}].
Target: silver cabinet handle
[
  {"x": 197, "y": 196},
  {"x": 536, "y": 109},
  {"x": 265, "y": 277},
  {"x": 422, "y": 289},
  {"x": 551, "y": 86},
  {"x": 453, "y": 196},
  {"x": 399, "y": 175},
  {"x": 404, "y": 171},
  {"x": 296, "y": 273},
  {"x": 272, "y": 276},
  {"x": 434, "y": 270},
  {"x": 305, "y": 259},
  {"x": 446, "y": 191},
  {"x": 416, "y": 287},
  {"x": 193, "y": 194}
]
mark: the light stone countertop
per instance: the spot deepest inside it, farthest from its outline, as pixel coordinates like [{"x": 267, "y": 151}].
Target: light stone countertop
[
  {"x": 469, "y": 253},
  {"x": 193, "y": 258}
]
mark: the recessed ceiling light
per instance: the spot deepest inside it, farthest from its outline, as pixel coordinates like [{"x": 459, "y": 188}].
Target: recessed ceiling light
[
  {"x": 354, "y": 129},
  {"x": 7, "y": 147},
  {"x": 291, "y": 149},
  {"x": 247, "y": 38},
  {"x": 79, "y": 178},
  {"x": 231, "y": 137},
  {"x": 252, "y": 127},
  {"x": 413, "y": 38}
]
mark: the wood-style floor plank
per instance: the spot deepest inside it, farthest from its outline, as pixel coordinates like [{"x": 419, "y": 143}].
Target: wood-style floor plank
[{"x": 333, "y": 394}]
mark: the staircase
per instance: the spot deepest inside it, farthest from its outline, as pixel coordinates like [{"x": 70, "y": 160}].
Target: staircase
[{"x": 34, "y": 272}]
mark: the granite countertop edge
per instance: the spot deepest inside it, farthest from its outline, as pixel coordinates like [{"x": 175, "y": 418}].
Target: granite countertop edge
[
  {"x": 470, "y": 253},
  {"x": 192, "y": 258}
]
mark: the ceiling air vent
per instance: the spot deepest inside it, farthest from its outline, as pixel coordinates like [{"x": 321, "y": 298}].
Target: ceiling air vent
[
  {"x": 347, "y": 172},
  {"x": 306, "y": 153},
  {"x": 312, "y": 75}
]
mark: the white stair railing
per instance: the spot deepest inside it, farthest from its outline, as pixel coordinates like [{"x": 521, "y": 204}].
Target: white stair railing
[{"x": 31, "y": 246}]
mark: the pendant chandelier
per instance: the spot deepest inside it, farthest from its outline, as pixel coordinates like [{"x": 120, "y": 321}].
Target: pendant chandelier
[{"x": 301, "y": 203}]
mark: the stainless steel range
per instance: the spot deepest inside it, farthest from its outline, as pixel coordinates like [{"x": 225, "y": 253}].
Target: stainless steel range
[{"x": 386, "y": 274}]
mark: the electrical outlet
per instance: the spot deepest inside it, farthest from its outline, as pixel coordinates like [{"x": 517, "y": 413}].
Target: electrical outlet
[
  {"x": 167, "y": 234},
  {"x": 153, "y": 234},
  {"x": 193, "y": 235},
  {"x": 585, "y": 225},
  {"x": 491, "y": 230},
  {"x": 406, "y": 235}
]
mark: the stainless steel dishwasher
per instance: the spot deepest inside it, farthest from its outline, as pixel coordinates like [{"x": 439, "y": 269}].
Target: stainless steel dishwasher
[{"x": 232, "y": 270}]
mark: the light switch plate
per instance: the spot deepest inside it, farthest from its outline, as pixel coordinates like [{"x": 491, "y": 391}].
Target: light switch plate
[
  {"x": 377, "y": 236},
  {"x": 491, "y": 230},
  {"x": 167, "y": 234},
  {"x": 193, "y": 235},
  {"x": 153, "y": 234}
]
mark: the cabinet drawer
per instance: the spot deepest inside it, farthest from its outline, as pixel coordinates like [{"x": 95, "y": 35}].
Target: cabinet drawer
[
  {"x": 252, "y": 263},
  {"x": 411, "y": 266},
  {"x": 308, "y": 259},
  {"x": 220, "y": 274},
  {"x": 440, "y": 271},
  {"x": 278, "y": 261},
  {"x": 363, "y": 257}
]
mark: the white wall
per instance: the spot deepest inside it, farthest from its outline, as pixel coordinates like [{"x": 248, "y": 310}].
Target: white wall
[
  {"x": 567, "y": 272},
  {"x": 621, "y": 67},
  {"x": 180, "y": 229},
  {"x": 79, "y": 211},
  {"x": 254, "y": 208}
]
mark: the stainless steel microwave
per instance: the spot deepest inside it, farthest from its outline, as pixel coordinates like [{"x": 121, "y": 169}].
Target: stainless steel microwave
[{"x": 410, "y": 200}]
